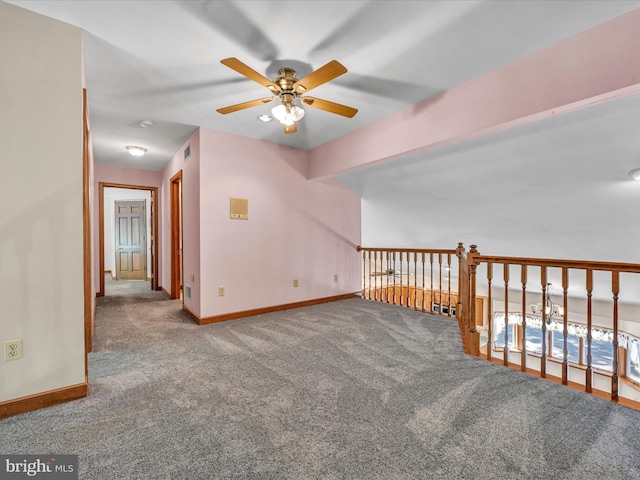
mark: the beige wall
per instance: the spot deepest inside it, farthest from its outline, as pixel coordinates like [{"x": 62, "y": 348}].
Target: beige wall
[{"x": 41, "y": 270}]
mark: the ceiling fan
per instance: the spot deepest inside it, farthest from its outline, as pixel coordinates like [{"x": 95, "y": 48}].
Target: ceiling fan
[{"x": 287, "y": 87}]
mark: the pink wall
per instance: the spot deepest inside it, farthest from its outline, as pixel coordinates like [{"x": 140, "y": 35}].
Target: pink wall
[
  {"x": 594, "y": 66},
  {"x": 123, "y": 176},
  {"x": 296, "y": 228},
  {"x": 191, "y": 220}
]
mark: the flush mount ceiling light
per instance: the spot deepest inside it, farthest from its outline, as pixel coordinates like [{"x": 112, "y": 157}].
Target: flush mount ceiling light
[
  {"x": 635, "y": 174},
  {"x": 265, "y": 118},
  {"x": 136, "y": 151},
  {"x": 146, "y": 123}
]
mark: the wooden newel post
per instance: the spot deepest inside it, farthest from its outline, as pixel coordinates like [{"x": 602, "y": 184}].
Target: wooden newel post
[{"x": 473, "y": 334}]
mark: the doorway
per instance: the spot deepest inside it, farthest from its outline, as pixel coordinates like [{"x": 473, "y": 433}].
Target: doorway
[
  {"x": 151, "y": 235},
  {"x": 130, "y": 234}
]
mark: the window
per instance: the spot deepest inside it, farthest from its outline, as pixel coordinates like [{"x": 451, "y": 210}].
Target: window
[
  {"x": 601, "y": 354},
  {"x": 573, "y": 347},
  {"x": 533, "y": 338},
  {"x": 499, "y": 334},
  {"x": 601, "y": 342},
  {"x": 633, "y": 360}
]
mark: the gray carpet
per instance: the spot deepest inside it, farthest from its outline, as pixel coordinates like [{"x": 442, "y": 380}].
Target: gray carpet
[{"x": 347, "y": 390}]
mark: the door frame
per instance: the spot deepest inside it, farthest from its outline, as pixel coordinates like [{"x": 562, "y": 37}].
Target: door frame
[
  {"x": 175, "y": 194},
  {"x": 154, "y": 230}
]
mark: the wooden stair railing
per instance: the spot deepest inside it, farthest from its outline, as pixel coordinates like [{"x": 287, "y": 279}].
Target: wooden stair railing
[
  {"x": 422, "y": 279},
  {"x": 415, "y": 278},
  {"x": 565, "y": 267}
]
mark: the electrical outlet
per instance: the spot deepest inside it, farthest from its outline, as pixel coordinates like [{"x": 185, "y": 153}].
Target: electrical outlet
[
  {"x": 295, "y": 282},
  {"x": 221, "y": 291},
  {"x": 12, "y": 350},
  {"x": 335, "y": 278}
]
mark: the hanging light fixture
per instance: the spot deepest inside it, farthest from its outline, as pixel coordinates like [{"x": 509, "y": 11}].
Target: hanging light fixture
[{"x": 550, "y": 309}]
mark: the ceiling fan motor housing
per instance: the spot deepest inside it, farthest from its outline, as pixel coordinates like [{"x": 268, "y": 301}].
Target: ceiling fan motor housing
[{"x": 287, "y": 77}]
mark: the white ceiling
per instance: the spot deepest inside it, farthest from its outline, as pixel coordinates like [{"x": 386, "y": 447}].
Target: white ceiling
[{"x": 159, "y": 60}]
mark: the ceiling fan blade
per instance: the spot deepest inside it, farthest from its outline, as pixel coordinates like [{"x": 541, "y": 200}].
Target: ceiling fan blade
[
  {"x": 328, "y": 106},
  {"x": 250, "y": 73},
  {"x": 242, "y": 106},
  {"x": 322, "y": 75},
  {"x": 290, "y": 128}
]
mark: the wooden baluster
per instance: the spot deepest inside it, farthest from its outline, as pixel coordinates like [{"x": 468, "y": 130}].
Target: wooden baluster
[
  {"x": 565, "y": 330},
  {"x": 374, "y": 274},
  {"x": 490, "y": 314},
  {"x": 400, "y": 299},
  {"x": 405, "y": 300},
  {"x": 589, "y": 371},
  {"x": 380, "y": 289},
  {"x": 364, "y": 274},
  {"x": 388, "y": 276},
  {"x": 615, "y": 288},
  {"x": 440, "y": 284},
  {"x": 505, "y": 360},
  {"x": 423, "y": 295},
  {"x": 523, "y": 353},
  {"x": 415, "y": 280},
  {"x": 449, "y": 282},
  {"x": 369, "y": 279},
  {"x": 394, "y": 278},
  {"x": 381, "y": 294},
  {"x": 431, "y": 295},
  {"x": 383, "y": 275},
  {"x": 543, "y": 358}
]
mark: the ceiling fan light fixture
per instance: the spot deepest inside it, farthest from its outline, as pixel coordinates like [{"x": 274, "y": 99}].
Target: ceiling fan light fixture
[
  {"x": 136, "y": 151},
  {"x": 287, "y": 115}
]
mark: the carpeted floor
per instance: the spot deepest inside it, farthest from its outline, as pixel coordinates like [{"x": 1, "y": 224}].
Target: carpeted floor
[{"x": 345, "y": 390}]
